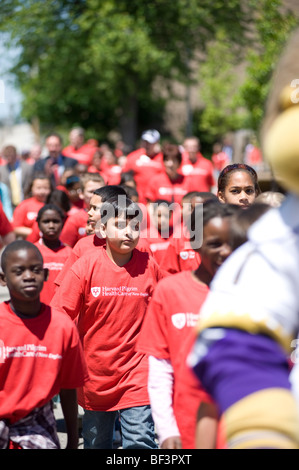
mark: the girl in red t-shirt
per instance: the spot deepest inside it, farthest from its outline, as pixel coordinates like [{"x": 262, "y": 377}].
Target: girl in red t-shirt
[
  {"x": 50, "y": 221},
  {"x": 26, "y": 212}
]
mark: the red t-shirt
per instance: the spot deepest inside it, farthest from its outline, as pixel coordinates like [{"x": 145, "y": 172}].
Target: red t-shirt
[
  {"x": 168, "y": 332},
  {"x": 156, "y": 242},
  {"x": 113, "y": 174},
  {"x": 110, "y": 173},
  {"x": 111, "y": 303},
  {"x": 144, "y": 169},
  {"x": 161, "y": 187},
  {"x": 84, "y": 245},
  {"x": 200, "y": 174},
  {"x": 38, "y": 357},
  {"x": 54, "y": 261},
  {"x": 179, "y": 256},
  {"x": 5, "y": 225},
  {"x": 83, "y": 154},
  {"x": 74, "y": 228},
  {"x": 26, "y": 212}
]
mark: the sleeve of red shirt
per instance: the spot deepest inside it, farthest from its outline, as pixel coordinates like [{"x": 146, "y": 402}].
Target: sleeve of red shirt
[
  {"x": 153, "y": 336},
  {"x": 68, "y": 297},
  {"x": 34, "y": 236},
  {"x": 73, "y": 373},
  {"x": 69, "y": 234},
  {"x": 18, "y": 217},
  {"x": 150, "y": 192},
  {"x": 169, "y": 261},
  {"x": 72, "y": 258},
  {"x": 5, "y": 226}
]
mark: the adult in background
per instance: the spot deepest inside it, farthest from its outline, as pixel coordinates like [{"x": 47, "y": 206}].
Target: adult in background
[
  {"x": 15, "y": 174},
  {"x": 55, "y": 163},
  {"x": 199, "y": 169},
  {"x": 79, "y": 149},
  {"x": 145, "y": 162}
]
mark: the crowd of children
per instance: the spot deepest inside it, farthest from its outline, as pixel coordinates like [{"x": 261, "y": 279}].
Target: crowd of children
[{"x": 126, "y": 297}]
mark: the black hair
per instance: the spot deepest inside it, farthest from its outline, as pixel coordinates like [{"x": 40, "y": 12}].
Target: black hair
[
  {"x": 242, "y": 221},
  {"x": 71, "y": 180},
  {"x": 210, "y": 209},
  {"x": 16, "y": 246},
  {"x": 205, "y": 195},
  {"x": 229, "y": 169},
  {"x": 127, "y": 176},
  {"x": 50, "y": 207},
  {"x": 158, "y": 202},
  {"x": 171, "y": 151},
  {"x": 59, "y": 198},
  {"x": 109, "y": 191},
  {"x": 130, "y": 191},
  {"x": 116, "y": 206}
]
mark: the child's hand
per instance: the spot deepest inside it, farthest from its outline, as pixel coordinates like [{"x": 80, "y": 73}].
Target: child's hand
[{"x": 173, "y": 442}]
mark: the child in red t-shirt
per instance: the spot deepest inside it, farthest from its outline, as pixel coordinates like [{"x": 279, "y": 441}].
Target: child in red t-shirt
[
  {"x": 94, "y": 239},
  {"x": 169, "y": 184},
  {"x": 179, "y": 255},
  {"x": 25, "y": 213},
  {"x": 158, "y": 229},
  {"x": 40, "y": 356},
  {"x": 168, "y": 334},
  {"x": 107, "y": 291},
  {"x": 50, "y": 219},
  {"x": 75, "y": 226}
]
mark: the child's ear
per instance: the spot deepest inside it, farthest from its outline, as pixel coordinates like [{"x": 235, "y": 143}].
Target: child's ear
[
  {"x": 220, "y": 197},
  {"x": 46, "y": 274},
  {"x": 2, "y": 279},
  {"x": 102, "y": 230}
]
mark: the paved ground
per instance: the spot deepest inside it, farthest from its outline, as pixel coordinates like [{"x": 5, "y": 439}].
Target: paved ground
[{"x": 61, "y": 427}]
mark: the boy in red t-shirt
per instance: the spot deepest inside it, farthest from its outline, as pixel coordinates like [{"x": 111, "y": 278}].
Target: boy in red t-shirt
[
  {"x": 75, "y": 226},
  {"x": 107, "y": 291},
  {"x": 40, "y": 356}
]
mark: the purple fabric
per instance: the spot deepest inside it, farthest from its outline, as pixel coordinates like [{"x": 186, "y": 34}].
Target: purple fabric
[{"x": 240, "y": 364}]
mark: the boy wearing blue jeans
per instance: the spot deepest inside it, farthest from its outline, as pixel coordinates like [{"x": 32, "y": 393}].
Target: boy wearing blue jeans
[{"x": 107, "y": 291}]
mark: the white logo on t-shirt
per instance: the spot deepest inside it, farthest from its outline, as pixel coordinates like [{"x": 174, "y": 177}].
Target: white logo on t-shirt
[
  {"x": 95, "y": 291},
  {"x": 179, "y": 320},
  {"x": 31, "y": 215}
]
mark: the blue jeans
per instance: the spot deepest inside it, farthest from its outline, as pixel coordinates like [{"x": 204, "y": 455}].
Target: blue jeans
[{"x": 137, "y": 428}]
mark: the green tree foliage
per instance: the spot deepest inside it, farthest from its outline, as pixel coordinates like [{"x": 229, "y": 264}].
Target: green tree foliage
[
  {"x": 219, "y": 81},
  {"x": 228, "y": 103},
  {"x": 94, "y": 62},
  {"x": 273, "y": 26}
]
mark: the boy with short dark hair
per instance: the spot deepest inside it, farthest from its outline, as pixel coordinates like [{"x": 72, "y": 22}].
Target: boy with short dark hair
[
  {"x": 74, "y": 228},
  {"x": 40, "y": 356},
  {"x": 107, "y": 291}
]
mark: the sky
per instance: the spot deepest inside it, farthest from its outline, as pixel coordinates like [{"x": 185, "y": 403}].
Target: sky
[{"x": 10, "y": 97}]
